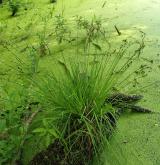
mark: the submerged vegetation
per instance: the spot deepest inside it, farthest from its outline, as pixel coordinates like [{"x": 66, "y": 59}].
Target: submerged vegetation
[{"x": 70, "y": 107}]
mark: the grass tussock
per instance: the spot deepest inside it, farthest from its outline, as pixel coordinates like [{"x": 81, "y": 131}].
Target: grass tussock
[{"x": 78, "y": 98}]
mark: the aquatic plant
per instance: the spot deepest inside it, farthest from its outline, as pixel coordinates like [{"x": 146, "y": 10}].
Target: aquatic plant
[
  {"x": 14, "y": 6},
  {"x": 81, "y": 119},
  {"x": 61, "y": 29},
  {"x": 77, "y": 101},
  {"x": 18, "y": 110},
  {"x": 43, "y": 48},
  {"x": 14, "y": 116},
  {"x": 93, "y": 29}
]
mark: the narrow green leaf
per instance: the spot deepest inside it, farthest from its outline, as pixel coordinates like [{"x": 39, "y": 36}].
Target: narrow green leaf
[
  {"x": 48, "y": 140},
  {"x": 39, "y": 130},
  {"x": 97, "y": 46},
  {"x": 53, "y": 132}
]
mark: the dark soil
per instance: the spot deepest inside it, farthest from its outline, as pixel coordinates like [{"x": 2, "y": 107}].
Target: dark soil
[{"x": 53, "y": 155}]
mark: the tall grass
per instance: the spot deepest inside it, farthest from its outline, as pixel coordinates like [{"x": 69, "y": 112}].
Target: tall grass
[{"x": 75, "y": 96}]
